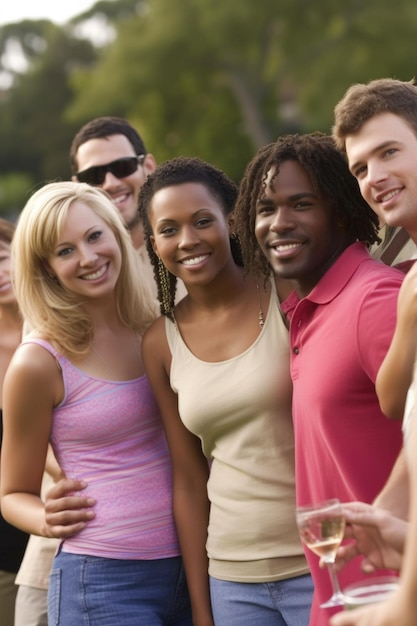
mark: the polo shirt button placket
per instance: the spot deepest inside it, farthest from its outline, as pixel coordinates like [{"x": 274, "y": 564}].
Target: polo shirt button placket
[{"x": 296, "y": 350}]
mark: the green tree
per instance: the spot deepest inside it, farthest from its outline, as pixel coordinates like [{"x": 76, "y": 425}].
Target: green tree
[
  {"x": 217, "y": 80},
  {"x": 213, "y": 78},
  {"x": 333, "y": 44},
  {"x": 194, "y": 79},
  {"x": 34, "y": 135}
]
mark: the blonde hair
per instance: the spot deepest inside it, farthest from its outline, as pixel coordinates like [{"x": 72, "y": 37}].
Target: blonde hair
[{"x": 51, "y": 310}]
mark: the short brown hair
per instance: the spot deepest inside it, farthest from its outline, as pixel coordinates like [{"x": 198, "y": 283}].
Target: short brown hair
[
  {"x": 102, "y": 128},
  {"x": 361, "y": 102}
]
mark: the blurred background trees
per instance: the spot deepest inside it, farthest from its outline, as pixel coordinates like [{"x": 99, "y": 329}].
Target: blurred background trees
[{"x": 211, "y": 78}]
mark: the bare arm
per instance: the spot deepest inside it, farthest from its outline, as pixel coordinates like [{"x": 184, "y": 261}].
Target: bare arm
[
  {"x": 30, "y": 389},
  {"x": 394, "y": 496},
  {"x": 190, "y": 475},
  {"x": 67, "y": 511},
  {"x": 401, "y": 608},
  {"x": 409, "y": 570},
  {"x": 377, "y": 534},
  {"x": 395, "y": 374}
]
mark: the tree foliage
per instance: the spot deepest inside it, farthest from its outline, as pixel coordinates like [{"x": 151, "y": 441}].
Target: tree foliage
[{"x": 209, "y": 78}]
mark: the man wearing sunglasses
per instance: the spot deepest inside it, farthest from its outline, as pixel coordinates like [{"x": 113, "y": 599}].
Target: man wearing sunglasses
[{"x": 108, "y": 152}]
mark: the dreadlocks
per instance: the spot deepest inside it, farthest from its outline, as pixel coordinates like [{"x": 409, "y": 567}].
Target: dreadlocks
[{"x": 329, "y": 174}]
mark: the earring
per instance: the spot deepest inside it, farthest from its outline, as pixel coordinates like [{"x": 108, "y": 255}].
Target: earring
[{"x": 165, "y": 288}]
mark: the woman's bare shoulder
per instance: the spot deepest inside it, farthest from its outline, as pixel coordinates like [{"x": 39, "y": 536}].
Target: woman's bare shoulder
[
  {"x": 32, "y": 361},
  {"x": 155, "y": 331}
]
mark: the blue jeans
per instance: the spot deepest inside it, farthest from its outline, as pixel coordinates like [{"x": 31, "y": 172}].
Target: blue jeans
[
  {"x": 96, "y": 591},
  {"x": 279, "y": 603}
]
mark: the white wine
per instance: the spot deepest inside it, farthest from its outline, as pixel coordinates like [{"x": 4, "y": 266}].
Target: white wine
[
  {"x": 323, "y": 535},
  {"x": 324, "y": 548},
  {"x": 321, "y": 527}
]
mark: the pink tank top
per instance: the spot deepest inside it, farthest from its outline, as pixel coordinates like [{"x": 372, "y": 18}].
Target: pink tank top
[{"x": 110, "y": 434}]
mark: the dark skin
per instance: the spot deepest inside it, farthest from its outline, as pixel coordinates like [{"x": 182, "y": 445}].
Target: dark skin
[
  {"x": 295, "y": 228},
  {"x": 191, "y": 236},
  {"x": 218, "y": 320}
]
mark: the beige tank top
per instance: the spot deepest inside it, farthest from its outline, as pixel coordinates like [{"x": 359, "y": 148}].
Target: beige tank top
[{"x": 241, "y": 410}]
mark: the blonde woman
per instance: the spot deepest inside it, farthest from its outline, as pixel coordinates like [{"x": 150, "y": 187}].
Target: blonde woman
[{"x": 78, "y": 381}]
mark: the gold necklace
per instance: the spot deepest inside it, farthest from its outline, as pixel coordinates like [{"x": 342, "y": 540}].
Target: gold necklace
[{"x": 261, "y": 319}]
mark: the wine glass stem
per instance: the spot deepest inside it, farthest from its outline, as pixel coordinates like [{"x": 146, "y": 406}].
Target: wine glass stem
[{"x": 334, "y": 579}]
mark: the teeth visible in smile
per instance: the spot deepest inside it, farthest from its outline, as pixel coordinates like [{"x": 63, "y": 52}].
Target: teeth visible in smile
[
  {"x": 389, "y": 195},
  {"x": 195, "y": 260},
  {"x": 120, "y": 198},
  {"x": 95, "y": 275},
  {"x": 287, "y": 246}
]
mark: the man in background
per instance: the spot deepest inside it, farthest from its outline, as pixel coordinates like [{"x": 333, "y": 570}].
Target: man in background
[
  {"x": 109, "y": 153},
  {"x": 106, "y": 152}
]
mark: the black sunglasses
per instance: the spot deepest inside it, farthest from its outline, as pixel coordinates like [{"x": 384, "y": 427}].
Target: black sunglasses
[{"x": 120, "y": 168}]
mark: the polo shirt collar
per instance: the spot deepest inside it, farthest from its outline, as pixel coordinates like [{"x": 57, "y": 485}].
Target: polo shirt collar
[{"x": 335, "y": 279}]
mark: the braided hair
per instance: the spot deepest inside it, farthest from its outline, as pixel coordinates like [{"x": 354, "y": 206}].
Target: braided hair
[
  {"x": 179, "y": 171},
  {"x": 329, "y": 174}
]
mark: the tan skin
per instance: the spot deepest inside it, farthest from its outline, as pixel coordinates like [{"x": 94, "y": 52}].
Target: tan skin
[
  {"x": 224, "y": 337},
  {"x": 10, "y": 320},
  {"x": 33, "y": 385},
  {"x": 376, "y": 533},
  {"x": 382, "y": 164},
  {"x": 383, "y": 144},
  {"x": 218, "y": 320},
  {"x": 11, "y": 331},
  {"x": 381, "y": 155},
  {"x": 395, "y": 374},
  {"x": 123, "y": 191},
  {"x": 10, "y": 336},
  {"x": 383, "y": 538},
  {"x": 400, "y": 608},
  {"x": 190, "y": 475}
]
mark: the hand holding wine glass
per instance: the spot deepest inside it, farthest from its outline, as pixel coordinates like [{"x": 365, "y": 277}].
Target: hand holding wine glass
[{"x": 321, "y": 527}]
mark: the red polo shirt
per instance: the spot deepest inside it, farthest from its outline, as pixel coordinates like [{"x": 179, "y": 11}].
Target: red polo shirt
[{"x": 344, "y": 446}]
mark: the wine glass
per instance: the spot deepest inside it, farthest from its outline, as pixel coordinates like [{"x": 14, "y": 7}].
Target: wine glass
[{"x": 321, "y": 527}]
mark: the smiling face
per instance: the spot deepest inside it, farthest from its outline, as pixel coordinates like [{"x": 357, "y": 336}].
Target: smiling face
[
  {"x": 86, "y": 259},
  {"x": 190, "y": 232},
  {"x": 295, "y": 227},
  {"x": 382, "y": 156},
  {"x": 123, "y": 191}
]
